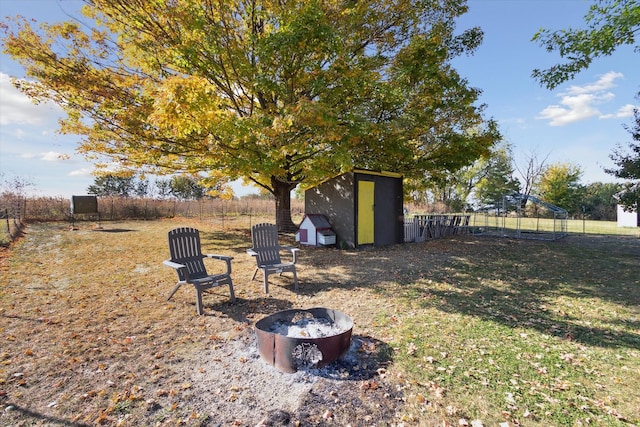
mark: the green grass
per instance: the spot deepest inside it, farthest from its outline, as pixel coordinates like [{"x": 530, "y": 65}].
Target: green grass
[
  {"x": 546, "y": 225},
  {"x": 535, "y": 333},
  {"x": 475, "y": 327}
]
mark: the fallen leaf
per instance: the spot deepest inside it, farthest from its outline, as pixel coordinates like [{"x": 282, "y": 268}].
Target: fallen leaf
[{"x": 412, "y": 349}]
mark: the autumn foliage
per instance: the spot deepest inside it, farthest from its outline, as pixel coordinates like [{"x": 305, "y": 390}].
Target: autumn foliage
[{"x": 278, "y": 93}]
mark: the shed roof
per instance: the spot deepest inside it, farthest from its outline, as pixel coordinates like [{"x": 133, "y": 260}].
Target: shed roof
[{"x": 318, "y": 220}]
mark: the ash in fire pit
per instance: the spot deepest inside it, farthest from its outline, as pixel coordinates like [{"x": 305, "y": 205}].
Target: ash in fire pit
[
  {"x": 294, "y": 339},
  {"x": 304, "y": 325}
]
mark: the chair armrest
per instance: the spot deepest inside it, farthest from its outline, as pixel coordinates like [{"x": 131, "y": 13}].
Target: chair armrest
[
  {"x": 294, "y": 251},
  {"x": 172, "y": 264},
  {"x": 220, "y": 257},
  {"x": 251, "y": 252},
  {"x": 225, "y": 258}
]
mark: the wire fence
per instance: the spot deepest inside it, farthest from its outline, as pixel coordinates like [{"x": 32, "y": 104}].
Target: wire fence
[
  {"x": 12, "y": 217},
  {"x": 16, "y": 211},
  {"x": 544, "y": 228}
]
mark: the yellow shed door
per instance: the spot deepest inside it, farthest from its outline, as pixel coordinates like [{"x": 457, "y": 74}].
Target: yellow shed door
[{"x": 365, "y": 212}]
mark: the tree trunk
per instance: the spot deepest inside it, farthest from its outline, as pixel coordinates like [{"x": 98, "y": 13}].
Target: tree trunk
[{"x": 282, "y": 194}]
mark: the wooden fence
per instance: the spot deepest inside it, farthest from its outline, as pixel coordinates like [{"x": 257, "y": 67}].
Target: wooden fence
[{"x": 425, "y": 227}]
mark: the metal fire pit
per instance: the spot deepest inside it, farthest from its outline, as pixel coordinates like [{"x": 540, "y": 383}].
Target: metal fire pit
[{"x": 289, "y": 354}]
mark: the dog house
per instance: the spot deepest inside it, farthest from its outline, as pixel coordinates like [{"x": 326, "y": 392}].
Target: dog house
[
  {"x": 363, "y": 207},
  {"x": 315, "y": 230}
]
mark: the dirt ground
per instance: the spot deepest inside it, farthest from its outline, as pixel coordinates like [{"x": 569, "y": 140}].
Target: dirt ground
[
  {"x": 88, "y": 338},
  {"x": 248, "y": 391}
]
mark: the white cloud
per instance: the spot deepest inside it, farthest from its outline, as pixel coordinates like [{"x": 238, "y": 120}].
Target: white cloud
[
  {"x": 19, "y": 133},
  {"x": 53, "y": 156},
  {"x": 81, "y": 172},
  {"x": 580, "y": 102},
  {"x": 605, "y": 82},
  {"x": 623, "y": 112},
  {"x": 17, "y": 109}
]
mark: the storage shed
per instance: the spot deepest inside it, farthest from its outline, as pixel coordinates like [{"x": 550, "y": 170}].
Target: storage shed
[
  {"x": 315, "y": 230},
  {"x": 363, "y": 207},
  {"x": 628, "y": 218}
]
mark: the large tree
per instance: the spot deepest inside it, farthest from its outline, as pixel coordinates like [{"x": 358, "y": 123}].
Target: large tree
[
  {"x": 628, "y": 167},
  {"x": 609, "y": 24},
  {"x": 279, "y": 93},
  {"x": 560, "y": 185},
  {"x": 599, "y": 202},
  {"x": 494, "y": 175},
  {"x": 113, "y": 185},
  {"x": 530, "y": 173}
]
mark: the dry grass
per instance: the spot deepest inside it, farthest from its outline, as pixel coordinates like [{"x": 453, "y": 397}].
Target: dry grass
[{"x": 88, "y": 337}]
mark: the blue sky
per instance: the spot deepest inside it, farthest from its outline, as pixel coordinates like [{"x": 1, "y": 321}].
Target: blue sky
[{"x": 579, "y": 122}]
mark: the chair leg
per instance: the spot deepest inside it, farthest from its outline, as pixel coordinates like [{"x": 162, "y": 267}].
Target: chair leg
[
  {"x": 295, "y": 280},
  {"x": 266, "y": 281},
  {"x": 199, "y": 300},
  {"x": 233, "y": 295},
  {"x": 254, "y": 273},
  {"x": 174, "y": 290}
]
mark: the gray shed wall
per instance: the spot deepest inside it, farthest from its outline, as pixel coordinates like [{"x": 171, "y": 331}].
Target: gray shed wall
[{"x": 337, "y": 198}]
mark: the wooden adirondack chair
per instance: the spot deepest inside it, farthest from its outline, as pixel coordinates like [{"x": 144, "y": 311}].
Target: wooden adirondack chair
[
  {"x": 188, "y": 261},
  {"x": 266, "y": 250}
]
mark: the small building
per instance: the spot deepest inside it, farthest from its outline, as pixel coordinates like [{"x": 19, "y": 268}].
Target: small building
[
  {"x": 315, "y": 230},
  {"x": 363, "y": 207},
  {"x": 628, "y": 218}
]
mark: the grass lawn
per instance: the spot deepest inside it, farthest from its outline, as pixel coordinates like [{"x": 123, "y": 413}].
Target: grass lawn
[
  {"x": 548, "y": 226},
  {"x": 477, "y": 330}
]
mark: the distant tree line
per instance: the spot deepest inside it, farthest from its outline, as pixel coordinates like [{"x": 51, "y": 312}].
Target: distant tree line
[
  {"x": 485, "y": 183},
  {"x": 479, "y": 186},
  {"x": 182, "y": 187}
]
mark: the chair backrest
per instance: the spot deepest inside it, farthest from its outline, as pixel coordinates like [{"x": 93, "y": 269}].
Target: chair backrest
[
  {"x": 265, "y": 244},
  {"x": 184, "y": 248}
]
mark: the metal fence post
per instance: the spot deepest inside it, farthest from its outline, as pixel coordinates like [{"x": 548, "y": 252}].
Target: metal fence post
[{"x": 6, "y": 215}]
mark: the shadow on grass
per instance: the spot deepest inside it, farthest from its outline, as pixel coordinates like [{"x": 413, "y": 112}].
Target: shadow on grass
[
  {"x": 243, "y": 308},
  {"x": 233, "y": 240},
  {"x": 513, "y": 282},
  {"x": 519, "y": 284},
  {"x": 32, "y": 416},
  {"x": 522, "y": 309}
]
